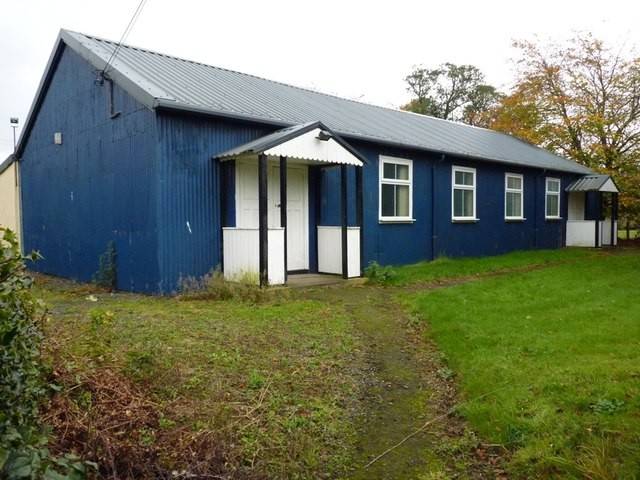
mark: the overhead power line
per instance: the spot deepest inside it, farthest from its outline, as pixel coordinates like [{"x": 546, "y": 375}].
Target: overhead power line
[{"x": 124, "y": 36}]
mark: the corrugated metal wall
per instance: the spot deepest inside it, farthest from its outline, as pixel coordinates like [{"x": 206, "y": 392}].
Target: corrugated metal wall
[
  {"x": 423, "y": 239},
  {"x": 98, "y": 186},
  {"x": 188, "y": 201}
]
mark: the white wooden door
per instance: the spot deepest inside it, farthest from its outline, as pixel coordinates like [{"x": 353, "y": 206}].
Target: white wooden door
[
  {"x": 297, "y": 206},
  {"x": 297, "y": 214}
]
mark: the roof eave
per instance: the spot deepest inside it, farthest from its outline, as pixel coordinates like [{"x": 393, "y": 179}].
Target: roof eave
[{"x": 164, "y": 104}]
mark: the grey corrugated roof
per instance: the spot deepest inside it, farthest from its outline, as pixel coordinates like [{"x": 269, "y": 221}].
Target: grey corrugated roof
[
  {"x": 588, "y": 183},
  {"x": 283, "y": 135},
  {"x": 6, "y": 162},
  {"x": 162, "y": 81}
]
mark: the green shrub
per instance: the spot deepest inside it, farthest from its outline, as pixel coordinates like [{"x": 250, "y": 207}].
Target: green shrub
[
  {"x": 23, "y": 441},
  {"x": 378, "y": 274},
  {"x": 106, "y": 276}
]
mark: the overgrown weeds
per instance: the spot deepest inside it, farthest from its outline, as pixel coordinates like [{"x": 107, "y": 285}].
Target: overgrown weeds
[{"x": 213, "y": 286}]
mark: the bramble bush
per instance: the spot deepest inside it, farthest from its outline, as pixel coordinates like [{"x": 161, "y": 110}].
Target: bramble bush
[{"x": 23, "y": 440}]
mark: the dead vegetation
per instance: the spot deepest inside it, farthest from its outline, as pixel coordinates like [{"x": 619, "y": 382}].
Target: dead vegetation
[{"x": 105, "y": 418}]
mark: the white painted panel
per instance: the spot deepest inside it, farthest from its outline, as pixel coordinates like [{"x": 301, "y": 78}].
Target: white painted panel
[
  {"x": 242, "y": 254},
  {"x": 330, "y": 250},
  {"x": 353, "y": 252},
  {"x": 576, "y": 206},
  {"x": 10, "y": 199},
  {"x": 581, "y": 233},
  {"x": 308, "y": 147},
  {"x": 276, "y": 256},
  {"x": 605, "y": 232}
]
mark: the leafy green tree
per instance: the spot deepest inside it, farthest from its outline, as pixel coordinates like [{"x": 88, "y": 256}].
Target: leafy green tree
[
  {"x": 451, "y": 92},
  {"x": 580, "y": 99}
]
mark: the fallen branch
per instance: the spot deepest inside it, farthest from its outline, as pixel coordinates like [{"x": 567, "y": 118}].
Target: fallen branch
[{"x": 430, "y": 422}]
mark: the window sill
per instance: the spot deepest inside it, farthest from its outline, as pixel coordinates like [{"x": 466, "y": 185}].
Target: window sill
[
  {"x": 396, "y": 220},
  {"x": 552, "y": 219},
  {"x": 465, "y": 220},
  {"x": 515, "y": 220}
]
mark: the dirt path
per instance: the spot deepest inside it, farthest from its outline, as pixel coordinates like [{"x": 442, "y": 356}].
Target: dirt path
[{"x": 405, "y": 385}]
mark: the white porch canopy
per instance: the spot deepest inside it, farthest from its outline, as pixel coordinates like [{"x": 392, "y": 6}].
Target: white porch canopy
[
  {"x": 594, "y": 232},
  {"x": 265, "y": 249},
  {"x": 593, "y": 183},
  {"x": 309, "y": 142}
]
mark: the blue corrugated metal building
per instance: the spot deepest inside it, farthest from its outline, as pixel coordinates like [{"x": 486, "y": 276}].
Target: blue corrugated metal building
[{"x": 159, "y": 155}]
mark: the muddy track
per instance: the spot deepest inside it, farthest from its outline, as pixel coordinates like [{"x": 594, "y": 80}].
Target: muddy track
[{"x": 405, "y": 384}]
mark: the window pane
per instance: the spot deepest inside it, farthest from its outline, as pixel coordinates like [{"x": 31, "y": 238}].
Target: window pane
[
  {"x": 388, "y": 194},
  {"x": 389, "y": 170},
  {"x": 463, "y": 178},
  {"x": 402, "y": 172},
  {"x": 468, "y": 203},
  {"x": 457, "y": 203},
  {"x": 552, "y": 206},
  {"x": 462, "y": 203},
  {"x": 514, "y": 182},
  {"x": 402, "y": 200},
  {"x": 553, "y": 186},
  {"x": 513, "y": 204}
]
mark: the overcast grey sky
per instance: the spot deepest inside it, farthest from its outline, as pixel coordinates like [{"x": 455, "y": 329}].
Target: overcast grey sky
[{"x": 355, "y": 49}]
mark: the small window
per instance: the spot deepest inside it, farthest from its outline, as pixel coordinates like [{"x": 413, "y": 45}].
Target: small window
[
  {"x": 463, "y": 193},
  {"x": 552, "y": 198},
  {"x": 396, "y": 181},
  {"x": 513, "y": 196}
]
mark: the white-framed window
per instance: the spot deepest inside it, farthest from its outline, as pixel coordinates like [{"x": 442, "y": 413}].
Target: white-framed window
[
  {"x": 513, "y": 196},
  {"x": 396, "y": 189},
  {"x": 463, "y": 193},
  {"x": 552, "y": 198}
]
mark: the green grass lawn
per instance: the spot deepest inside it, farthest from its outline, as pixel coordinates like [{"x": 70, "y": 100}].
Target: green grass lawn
[
  {"x": 273, "y": 387},
  {"x": 556, "y": 351},
  {"x": 447, "y": 268},
  {"x": 622, "y": 234},
  {"x": 272, "y": 383}
]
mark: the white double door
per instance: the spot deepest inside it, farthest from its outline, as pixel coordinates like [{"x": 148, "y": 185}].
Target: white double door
[{"x": 297, "y": 206}]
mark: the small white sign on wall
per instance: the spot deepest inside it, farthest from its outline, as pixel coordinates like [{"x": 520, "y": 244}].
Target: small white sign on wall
[{"x": 57, "y": 138}]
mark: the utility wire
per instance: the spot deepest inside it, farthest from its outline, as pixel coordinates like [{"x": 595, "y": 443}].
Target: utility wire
[{"x": 125, "y": 34}]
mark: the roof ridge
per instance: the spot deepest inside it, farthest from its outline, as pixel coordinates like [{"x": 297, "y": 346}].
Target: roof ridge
[
  {"x": 278, "y": 82},
  {"x": 317, "y": 92}
]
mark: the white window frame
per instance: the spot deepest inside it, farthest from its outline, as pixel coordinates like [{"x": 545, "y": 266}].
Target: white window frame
[
  {"x": 514, "y": 190},
  {"x": 546, "y": 196},
  {"x": 388, "y": 181},
  {"x": 455, "y": 187}
]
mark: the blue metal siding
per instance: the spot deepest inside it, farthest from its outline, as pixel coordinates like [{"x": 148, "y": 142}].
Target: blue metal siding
[
  {"x": 189, "y": 205},
  {"x": 426, "y": 239},
  {"x": 384, "y": 243},
  {"x": 96, "y": 187}
]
